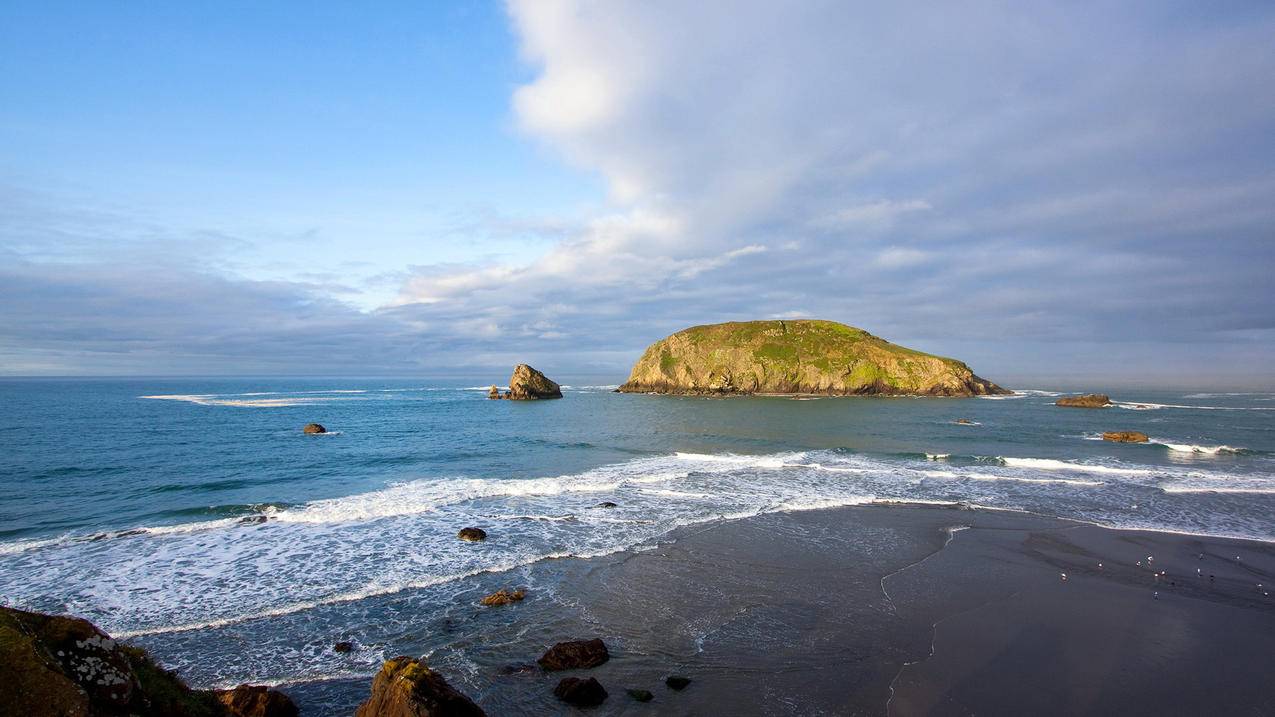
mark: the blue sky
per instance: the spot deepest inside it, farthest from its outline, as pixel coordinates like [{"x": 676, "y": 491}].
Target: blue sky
[{"x": 1050, "y": 191}]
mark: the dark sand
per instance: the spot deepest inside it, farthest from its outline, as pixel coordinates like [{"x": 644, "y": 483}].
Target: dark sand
[{"x": 888, "y": 610}]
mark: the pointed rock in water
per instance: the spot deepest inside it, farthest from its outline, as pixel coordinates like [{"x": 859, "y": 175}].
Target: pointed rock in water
[
  {"x": 641, "y": 695},
  {"x": 529, "y": 384},
  {"x": 678, "y": 683},
  {"x": 575, "y": 655},
  {"x": 1125, "y": 437},
  {"x": 503, "y": 597},
  {"x": 494, "y": 392},
  {"x": 580, "y": 692},
  {"x": 406, "y": 687},
  {"x": 804, "y": 357},
  {"x": 257, "y": 701},
  {"x": 473, "y": 535},
  {"x": 314, "y": 428},
  {"x": 1089, "y": 400}
]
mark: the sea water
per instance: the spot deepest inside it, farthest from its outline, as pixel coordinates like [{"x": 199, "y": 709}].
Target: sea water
[{"x": 194, "y": 517}]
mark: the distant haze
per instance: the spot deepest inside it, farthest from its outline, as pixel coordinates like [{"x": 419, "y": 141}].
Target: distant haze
[{"x": 1056, "y": 193}]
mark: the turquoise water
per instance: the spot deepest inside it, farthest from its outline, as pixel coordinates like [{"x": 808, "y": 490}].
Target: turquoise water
[{"x": 189, "y": 513}]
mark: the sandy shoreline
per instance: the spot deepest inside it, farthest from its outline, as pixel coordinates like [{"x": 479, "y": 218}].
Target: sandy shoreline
[{"x": 895, "y": 609}]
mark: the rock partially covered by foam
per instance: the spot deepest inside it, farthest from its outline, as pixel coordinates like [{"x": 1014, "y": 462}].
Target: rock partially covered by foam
[
  {"x": 529, "y": 384},
  {"x": 60, "y": 665},
  {"x": 473, "y": 535},
  {"x": 504, "y": 597},
  {"x": 1089, "y": 400},
  {"x": 1125, "y": 437},
  {"x": 406, "y": 687}
]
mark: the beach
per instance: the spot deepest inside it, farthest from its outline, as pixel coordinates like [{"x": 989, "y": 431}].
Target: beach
[{"x": 900, "y": 610}]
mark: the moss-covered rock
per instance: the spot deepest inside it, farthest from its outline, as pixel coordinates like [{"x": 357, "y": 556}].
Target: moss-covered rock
[
  {"x": 808, "y": 356},
  {"x": 60, "y": 666}
]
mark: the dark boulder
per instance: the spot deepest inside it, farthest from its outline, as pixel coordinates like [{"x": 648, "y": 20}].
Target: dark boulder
[
  {"x": 1125, "y": 437},
  {"x": 580, "y": 692},
  {"x": 606, "y": 504},
  {"x": 314, "y": 428},
  {"x": 343, "y": 646},
  {"x": 676, "y": 682},
  {"x": 575, "y": 655},
  {"x": 641, "y": 695},
  {"x": 406, "y": 687},
  {"x": 473, "y": 535},
  {"x": 1089, "y": 400}
]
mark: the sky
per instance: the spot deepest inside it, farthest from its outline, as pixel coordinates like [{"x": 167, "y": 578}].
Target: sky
[{"x": 1063, "y": 192}]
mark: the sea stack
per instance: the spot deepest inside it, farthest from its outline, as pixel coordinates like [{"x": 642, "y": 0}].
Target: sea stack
[
  {"x": 796, "y": 357},
  {"x": 528, "y": 384}
]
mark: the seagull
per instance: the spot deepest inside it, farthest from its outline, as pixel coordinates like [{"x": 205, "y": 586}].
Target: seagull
[{"x": 1064, "y": 575}]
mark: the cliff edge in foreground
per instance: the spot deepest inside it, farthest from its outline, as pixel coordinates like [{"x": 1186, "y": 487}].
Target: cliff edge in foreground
[{"x": 806, "y": 356}]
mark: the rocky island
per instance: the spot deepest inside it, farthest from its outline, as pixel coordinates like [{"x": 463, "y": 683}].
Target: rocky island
[
  {"x": 527, "y": 384},
  {"x": 796, "y": 357}
]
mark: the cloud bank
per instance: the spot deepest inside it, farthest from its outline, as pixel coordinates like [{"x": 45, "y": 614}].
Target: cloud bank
[{"x": 1039, "y": 188}]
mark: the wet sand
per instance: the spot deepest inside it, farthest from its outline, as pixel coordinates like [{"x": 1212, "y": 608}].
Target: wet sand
[{"x": 900, "y": 610}]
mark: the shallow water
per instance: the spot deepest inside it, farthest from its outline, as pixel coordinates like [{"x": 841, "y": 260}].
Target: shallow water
[{"x": 135, "y": 502}]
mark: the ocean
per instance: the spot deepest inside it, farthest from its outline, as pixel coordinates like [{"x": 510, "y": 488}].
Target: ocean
[{"x": 193, "y": 517}]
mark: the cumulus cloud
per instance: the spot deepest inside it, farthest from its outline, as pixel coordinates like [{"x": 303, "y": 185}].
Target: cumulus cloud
[{"x": 991, "y": 180}]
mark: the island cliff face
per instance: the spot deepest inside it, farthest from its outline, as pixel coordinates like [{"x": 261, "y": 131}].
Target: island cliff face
[{"x": 807, "y": 356}]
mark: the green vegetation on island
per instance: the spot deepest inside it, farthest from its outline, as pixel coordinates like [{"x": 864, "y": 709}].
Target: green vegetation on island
[{"x": 796, "y": 357}]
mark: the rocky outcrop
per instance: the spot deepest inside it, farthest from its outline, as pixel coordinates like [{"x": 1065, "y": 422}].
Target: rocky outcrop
[
  {"x": 314, "y": 428},
  {"x": 1125, "y": 437},
  {"x": 503, "y": 597},
  {"x": 1089, "y": 400},
  {"x": 473, "y": 535},
  {"x": 796, "y": 357},
  {"x": 580, "y": 692},
  {"x": 575, "y": 655},
  {"x": 528, "y": 384},
  {"x": 406, "y": 687},
  {"x": 66, "y": 667}
]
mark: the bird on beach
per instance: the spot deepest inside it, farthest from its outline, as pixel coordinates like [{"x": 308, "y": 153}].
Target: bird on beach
[{"x": 1064, "y": 576}]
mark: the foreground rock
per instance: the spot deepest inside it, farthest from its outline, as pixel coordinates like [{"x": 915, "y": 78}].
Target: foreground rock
[
  {"x": 1125, "y": 437},
  {"x": 640, "y": 695},
  {"x": 257, "y": 701},
  {"x": 575, "y": 655},
  {"x": 580, "y": 692},
  {"x": 676, "y": 682},
  {"x": 1089, "y": 400},
  {"x": 406, "y": 687},
  {"x": 807, "y": 357},
  {"x": 473, "y": 535},
  {"x": 503, "y": 597},
  {"x": 65, "y": 666},
  {"x": 314, "y": 428}
]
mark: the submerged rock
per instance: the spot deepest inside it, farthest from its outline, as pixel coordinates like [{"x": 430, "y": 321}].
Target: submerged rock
[
  {"x": 529, "y": 384},
  {"x": 641, "y": 695},
  {"x": 256, "y": 701},
  {"x": 406, "y": 687},
  {"x": 676, "y": 682},
  {"x": 66, "y": 666},
  {"x": 1125, "y": 436},
  {"x": 580, "y": 692},
  {"x": 473, "y": 535},
  {"x": 343, "y": 646},
  {"x": 965, "y": 422},
  {"x": 314, "y": 428},
  {"x": 504, "y": 597},
  {"x": 575, "y": 655},
  {"x": 1089, "y": 400},
  {"x": 606, "y": 504},
  {"x": 801, "y": 357}
]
